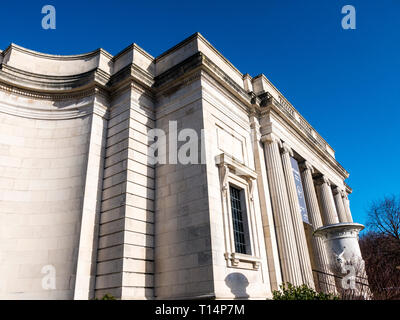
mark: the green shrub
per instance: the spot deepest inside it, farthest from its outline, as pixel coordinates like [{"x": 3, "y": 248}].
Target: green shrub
[
  {"x": 303, "y": 292},
  {"x": 107, "y": 296}
]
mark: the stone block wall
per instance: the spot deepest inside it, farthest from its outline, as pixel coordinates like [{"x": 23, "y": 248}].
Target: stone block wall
[
  {"x": 183, "y": 243},
  {"x": 125, "y": 266},
  {"x": 42, "y": 169}
]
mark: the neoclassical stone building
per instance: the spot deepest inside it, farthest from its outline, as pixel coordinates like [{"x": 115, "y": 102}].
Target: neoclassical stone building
[{"x": 83, "y": 212}]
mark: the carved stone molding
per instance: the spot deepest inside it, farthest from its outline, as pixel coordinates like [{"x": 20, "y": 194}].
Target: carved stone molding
[
  {"x": 337, "y": 190},
  {"x": 339, "y": 230},
  {"x": 286, "y": 149},
  {"x": 322, "y": 179},
  {"x": 270, "y": 138},
  {"x": 305, "y": 165},
  {"x": 266, "y": 99},
  {"x": 223, "y": 175},
  {"x": 242, "y": 261},
  {"x": 236, "y": 167}
]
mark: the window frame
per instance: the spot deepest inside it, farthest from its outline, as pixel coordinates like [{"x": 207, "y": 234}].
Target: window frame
[
  {"x": 236, "y": 174},
  {"x": 244, "y": 220}
]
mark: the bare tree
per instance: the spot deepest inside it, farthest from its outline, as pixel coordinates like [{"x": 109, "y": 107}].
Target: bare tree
[
  {"x": 382, "y": 258},
  {"x": 380, "y": 248},
  {"x": 384, "y": 217}
]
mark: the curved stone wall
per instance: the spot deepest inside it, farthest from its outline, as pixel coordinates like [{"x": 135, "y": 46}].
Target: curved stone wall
[
  {"x": 47, "y": 109},
  {"x": 43, "y": 166},
  {"x": 54, "y": 114}
]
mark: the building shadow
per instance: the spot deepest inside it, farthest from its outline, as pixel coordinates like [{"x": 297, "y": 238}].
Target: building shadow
[{"x": 238, "y": 283}]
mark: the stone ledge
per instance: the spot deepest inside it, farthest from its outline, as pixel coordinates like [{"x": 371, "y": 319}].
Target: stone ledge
[{"x": 242, "y": 261}]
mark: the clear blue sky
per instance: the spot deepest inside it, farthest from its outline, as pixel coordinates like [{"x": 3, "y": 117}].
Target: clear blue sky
[{"x": 344, "y": 82}]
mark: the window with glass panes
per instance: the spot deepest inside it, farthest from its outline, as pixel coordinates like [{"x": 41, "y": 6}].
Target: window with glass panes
[{"x": 238, "y": 219}]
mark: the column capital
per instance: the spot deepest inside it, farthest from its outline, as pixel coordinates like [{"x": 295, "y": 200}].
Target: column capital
[
  {"x": 336, "y": 190},
  {"x": 305, "y": 165},
  {"x": 322, "y": 180},
  {"x": 286, "y": 149},
  {"x": 270, "y": 138}
]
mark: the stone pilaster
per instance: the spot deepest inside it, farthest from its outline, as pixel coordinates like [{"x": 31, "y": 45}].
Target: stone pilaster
[
  {"x": 337, "y": 196},
  {"x": 328, "y": 210},
  {"x": 319, "y": 256},
  {"x": 346, "y": 204},
  {"x": 271, "y": 245},
  {"x": 125, "y": 257},
  {"x": 305, "y": 264},
  {"x": 288, "y": 255}
]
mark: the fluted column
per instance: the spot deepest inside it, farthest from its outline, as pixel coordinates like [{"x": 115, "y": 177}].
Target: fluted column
[
  {"x": 288, "y": 255},
  {"x": 346, "y": 204},
  {"x": 300, "y": 236},
  {"x": 341, "y": 212},
  {"x": 320, "y": 257},
  {"x": 329, "y": 215}
]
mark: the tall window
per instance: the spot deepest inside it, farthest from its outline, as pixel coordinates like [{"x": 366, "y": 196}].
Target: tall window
[{"x": 239, "y": 219}]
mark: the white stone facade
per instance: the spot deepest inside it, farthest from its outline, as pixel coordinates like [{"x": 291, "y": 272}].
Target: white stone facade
[{"x": 78, "y": 193}]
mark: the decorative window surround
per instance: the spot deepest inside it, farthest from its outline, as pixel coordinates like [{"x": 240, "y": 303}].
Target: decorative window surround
[
  {"x": 226, "y": 164},
  {"x": 236, "y": 173}
]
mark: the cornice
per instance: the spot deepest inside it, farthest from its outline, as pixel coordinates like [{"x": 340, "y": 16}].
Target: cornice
[
  {"x": 34, "y": 53},
  {"x": 56, "y": 96},
  {"x": 51, "y": 84},
  {"x": 238, "y": 90},
  {"x": 219, "y": 101},
  {"x": 348, "y": 189},
  {"x": 180, "y": 70},
  {"x": 171, "y": 79},
  {"x": 129, "y": 48},
  {"x": 268, "y": 103},
  {"x": 200, "y": 37},
  {"x": 73, "y": 86},
  {"x": 128, "y": 74}
]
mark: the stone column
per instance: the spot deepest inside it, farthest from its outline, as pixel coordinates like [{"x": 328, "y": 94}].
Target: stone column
[
  {"x": 320, "y": 257},
  {"x": 288, "y": 255},
  {"x": 337, "y": 196},
  {"x": 302, "y": 249},
  {"x": 329, "y": 215},
  {"x": 346, "y": 204}
]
